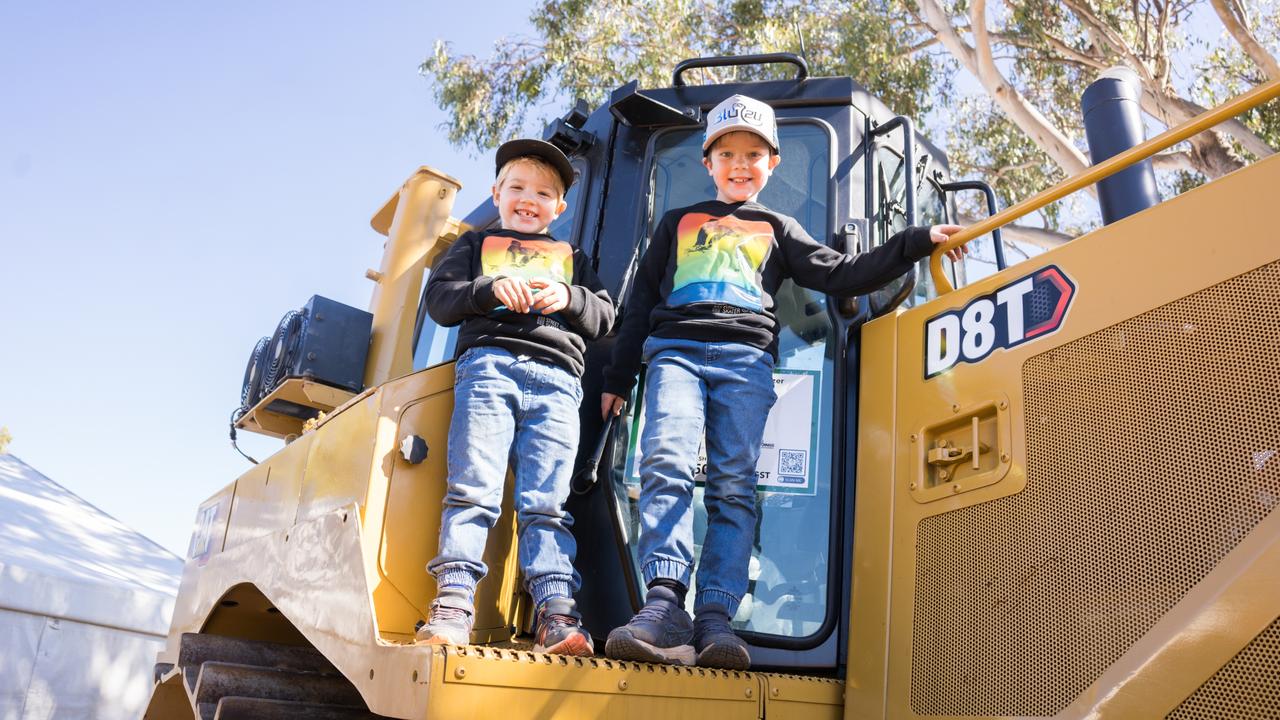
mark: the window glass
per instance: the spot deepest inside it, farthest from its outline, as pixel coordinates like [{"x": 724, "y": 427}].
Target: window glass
[
  {"x": 435, "y": 343},
  {"x": 565, "y": 226},
  {"x": 789, "y": 570}
]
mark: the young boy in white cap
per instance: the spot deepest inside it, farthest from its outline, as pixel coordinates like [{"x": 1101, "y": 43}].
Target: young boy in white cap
[
  {"x": 701, "y": 315},
  {"x": 527, "y": 303}
]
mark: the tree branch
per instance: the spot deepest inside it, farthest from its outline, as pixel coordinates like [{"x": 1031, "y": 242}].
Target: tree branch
[
  {"x": 1016, "y": 107},
  {"x": 1047, "y": 239},
  {"x": 1066, "y": 51},
  {"x": 1233, "y": 18},
  {"x": 1112, "y": 38},
  {"x": 1171, "y": 161}
]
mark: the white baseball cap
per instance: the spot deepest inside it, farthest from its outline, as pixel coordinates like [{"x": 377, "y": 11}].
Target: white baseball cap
[{"x": 739, "y": 112}]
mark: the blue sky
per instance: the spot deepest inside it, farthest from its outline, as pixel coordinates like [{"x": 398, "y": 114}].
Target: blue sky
[{"x": 174, "y": 176}]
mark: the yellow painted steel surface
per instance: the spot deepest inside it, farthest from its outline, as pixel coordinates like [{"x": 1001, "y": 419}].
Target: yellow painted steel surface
[
  {"x": 420, "y": 215},
  {"x": 421, "y": 405},
  {"x": 1260, "y": 94},
  {"x": 1217, "y": 236}
]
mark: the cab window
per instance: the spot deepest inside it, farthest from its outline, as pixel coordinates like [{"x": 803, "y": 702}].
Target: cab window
[
  {"x": 790, "y": 567},
  {"x": 931, "y": 209}
]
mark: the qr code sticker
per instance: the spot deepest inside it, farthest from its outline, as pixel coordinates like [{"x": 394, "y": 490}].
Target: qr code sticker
[{"x": 792, "y": 462}]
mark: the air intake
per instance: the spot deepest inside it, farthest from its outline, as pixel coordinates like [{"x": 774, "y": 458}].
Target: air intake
[{"x": 1153, "y": 448}]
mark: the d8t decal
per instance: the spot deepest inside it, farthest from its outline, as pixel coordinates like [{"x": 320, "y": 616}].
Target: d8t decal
[{"x": 1027, "y": 308}]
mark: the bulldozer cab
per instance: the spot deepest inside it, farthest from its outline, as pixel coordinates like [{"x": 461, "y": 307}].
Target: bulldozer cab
[{"x": 845, "y": 172}]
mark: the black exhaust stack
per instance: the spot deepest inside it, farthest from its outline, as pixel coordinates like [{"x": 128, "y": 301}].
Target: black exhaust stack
[{"x": 1113, "y": 124}]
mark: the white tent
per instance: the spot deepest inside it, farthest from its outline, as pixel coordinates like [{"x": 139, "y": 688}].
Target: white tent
[{"x": 85, "y": 604}]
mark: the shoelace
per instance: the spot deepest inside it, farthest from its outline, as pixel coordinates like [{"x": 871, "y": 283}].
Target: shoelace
[
  {"x": 444, "y": 612},
  {"x": 653, "y": 612},
  {"x": 560, "y": 620}
]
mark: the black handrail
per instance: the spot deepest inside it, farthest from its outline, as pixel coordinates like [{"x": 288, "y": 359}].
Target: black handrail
[
  {"x": 735, "y": 60},
  {"x": 991, "y": 210}
]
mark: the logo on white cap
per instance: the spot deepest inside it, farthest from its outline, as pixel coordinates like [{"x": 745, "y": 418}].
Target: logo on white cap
[
  {"x": 738, "y": 109},
  {"x": 739, "y": 112}
]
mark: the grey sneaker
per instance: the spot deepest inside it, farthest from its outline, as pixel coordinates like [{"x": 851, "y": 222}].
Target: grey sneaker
[
  {"x": 717, "y": 645},
  {"x": 560, "y": 629},
  {"x": 660, "y": 632},
  {"x": 451, "y": 618}
]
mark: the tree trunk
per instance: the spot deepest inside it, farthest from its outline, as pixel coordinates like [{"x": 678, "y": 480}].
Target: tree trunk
[
  {"x": 1233, "y": 18},
  {"x": 1016, "y": 107}
]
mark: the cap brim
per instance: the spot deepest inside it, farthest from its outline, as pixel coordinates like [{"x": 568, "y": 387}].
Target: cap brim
[
  {"x": 540, "y": 149},
  {"x": 737, "y": 128}
]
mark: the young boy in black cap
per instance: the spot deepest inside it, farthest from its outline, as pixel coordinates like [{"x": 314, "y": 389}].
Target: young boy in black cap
[{"x": 527, "y": 303}]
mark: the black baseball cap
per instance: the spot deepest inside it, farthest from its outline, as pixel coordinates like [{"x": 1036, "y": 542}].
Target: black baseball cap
[{"x": 540, "y": 149}]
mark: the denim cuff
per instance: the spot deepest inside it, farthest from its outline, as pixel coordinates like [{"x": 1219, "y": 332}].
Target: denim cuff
[
  {"x": 456, "y": 577},
  {"x": 548, "y": 587},
  {"x": 666, "y": 568},
  {"x": 710, "y": 596}
]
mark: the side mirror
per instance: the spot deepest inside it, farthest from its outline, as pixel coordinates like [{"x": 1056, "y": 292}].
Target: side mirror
[{"x": 892, "y": 295}]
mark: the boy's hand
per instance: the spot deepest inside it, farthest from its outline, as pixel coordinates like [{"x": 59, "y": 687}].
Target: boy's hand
[
  {"x": 515, "y": 293},
  {"x": 942, "y": 233},
  {"x": 553, "y": 296},
  {"x": 610, "y": 404}
]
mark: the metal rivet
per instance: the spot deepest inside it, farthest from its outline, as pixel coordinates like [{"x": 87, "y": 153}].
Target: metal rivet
[
  {"x": 943, "y": 474},
  {"x": 750, "y": 692},
  {"x": 955, "y": 408},
  {"x": 913, "y": 437},
  {"x": 1004, "y": 405},
  {"x": 443, "y": 192},
  {"x": 460, "y": 673},
  {"x": 911, "y": 486},
  {"x": 1004, "y": 457},
  {"x": 774, "y": 692},
  {"x": 955, "y": 488},
  {"x": 622, "y": 684}
]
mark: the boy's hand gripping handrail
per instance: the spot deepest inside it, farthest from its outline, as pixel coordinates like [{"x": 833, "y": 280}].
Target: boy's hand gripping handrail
[{"x": 1110, "y": 166}]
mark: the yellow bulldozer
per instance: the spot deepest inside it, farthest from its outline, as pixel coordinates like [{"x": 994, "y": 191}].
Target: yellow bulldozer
[{"x": 1048, "y": 492}]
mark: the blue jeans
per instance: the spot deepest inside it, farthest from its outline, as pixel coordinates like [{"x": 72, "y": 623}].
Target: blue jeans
[
  {"x": 523, "y": 412},
  {"x": 726, "y": 390}
]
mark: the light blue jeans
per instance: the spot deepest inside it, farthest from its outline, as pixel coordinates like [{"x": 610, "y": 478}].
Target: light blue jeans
[
  {"x": 726, "y": 390},
  {"x": 523, "y": 412}
]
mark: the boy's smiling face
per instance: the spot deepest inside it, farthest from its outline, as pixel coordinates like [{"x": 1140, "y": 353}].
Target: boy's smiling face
[
  {"x": 740, "y": 164},
  {"x": 528, "y": 197}
]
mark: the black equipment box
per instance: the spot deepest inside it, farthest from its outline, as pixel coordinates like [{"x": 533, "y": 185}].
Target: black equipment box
[{"x": 332, "y": 345}]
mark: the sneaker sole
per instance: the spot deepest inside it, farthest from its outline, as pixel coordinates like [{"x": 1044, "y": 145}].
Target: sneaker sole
[
  {"x": 622, "y": 646},
  {"x": 575, "y": 645},
  {"x": 725, "y": 657},
  {"x": 439, "y": 640}
]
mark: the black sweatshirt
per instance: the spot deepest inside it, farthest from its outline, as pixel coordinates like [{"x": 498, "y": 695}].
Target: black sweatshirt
[
  {"x": 460, "y": 290},
  {"x": 711, "y": 270}
]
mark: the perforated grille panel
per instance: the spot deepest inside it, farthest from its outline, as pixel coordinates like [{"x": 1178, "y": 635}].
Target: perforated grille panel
[
  {"x": 1247, "y": 688},
  {"x": 1153, "y": 447}
]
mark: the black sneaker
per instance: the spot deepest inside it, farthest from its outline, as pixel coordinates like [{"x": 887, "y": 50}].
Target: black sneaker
[
  {"x": 560, "y": 629},
  {"x": 717, "y": 645},
  {"x": 659, "y": 633}
]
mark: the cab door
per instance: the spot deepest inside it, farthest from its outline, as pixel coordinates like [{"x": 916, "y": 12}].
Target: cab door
[
  {"x": 793, "y": 611},
  {"x": 1068, "y": 474}
]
